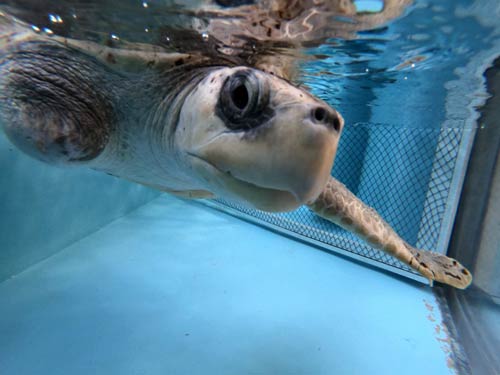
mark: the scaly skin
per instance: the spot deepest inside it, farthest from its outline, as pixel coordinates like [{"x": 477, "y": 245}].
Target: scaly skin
[{"x": 338, "y": 205}]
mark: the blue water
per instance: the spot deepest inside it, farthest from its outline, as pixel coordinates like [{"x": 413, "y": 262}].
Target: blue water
[
  {"x": 177, "y": 288},
  {"x": 398, "y": 87}
]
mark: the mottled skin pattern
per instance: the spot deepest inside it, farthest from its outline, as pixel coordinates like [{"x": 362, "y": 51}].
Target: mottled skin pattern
[{"x": 337, "y": 204}]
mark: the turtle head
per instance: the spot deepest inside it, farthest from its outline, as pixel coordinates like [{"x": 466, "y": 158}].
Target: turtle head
[{"x": 255, "y": 139}]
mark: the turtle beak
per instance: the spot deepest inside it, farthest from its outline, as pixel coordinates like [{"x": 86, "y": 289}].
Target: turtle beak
[{"x": 292, "y": 153}]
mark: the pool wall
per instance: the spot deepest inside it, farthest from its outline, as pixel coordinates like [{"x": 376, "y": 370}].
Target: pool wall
[{"x": 44, "y": 209}]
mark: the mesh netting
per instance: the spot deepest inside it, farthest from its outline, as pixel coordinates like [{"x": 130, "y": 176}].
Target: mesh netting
[{"x": 404, "y": 173}]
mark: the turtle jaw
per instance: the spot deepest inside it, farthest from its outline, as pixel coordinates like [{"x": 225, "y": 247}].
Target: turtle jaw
[
  {"x": 225, "y": 185},
  {"x": 282, "y": 166}
]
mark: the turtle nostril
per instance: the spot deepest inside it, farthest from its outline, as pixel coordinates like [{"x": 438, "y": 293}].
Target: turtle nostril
[
  {"x": 319, "y": 114},
  {"x": 327, "y": 116},
  {"x": 336, "y": 123}
]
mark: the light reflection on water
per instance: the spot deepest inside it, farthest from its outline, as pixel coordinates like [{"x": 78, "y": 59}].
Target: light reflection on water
[
  {"x": 384, "y": 49},
  {"x": 362, "y": 43}
]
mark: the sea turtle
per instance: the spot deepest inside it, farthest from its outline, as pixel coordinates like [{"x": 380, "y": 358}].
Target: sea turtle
[{"x": 187, "y": 124}]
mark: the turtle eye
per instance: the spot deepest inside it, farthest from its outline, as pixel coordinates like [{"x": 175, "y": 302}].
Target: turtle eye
[
  {"x": 240, "y": 96},
  {"x": 242, "y": 100}
]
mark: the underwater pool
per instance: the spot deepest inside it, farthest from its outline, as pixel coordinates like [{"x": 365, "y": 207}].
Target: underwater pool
[{"x": 100, "y": 275}]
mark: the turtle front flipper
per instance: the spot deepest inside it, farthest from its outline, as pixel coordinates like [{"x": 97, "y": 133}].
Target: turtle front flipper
[
  {"x": 338, "y": 205},
  {"x": 55, "y": 104}
]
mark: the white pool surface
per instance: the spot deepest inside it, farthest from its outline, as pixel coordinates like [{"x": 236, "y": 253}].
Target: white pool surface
[{"x": 178, "y": 288}]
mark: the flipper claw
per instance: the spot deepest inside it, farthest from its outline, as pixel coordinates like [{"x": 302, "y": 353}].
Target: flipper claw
[{"x": 338, "y": 205}]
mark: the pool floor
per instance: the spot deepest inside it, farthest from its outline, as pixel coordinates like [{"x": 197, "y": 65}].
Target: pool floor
[{"x": 179, "y": 288}]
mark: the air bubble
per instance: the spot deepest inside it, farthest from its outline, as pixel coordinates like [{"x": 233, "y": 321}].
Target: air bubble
[
  {"x": 145, "y": 4},
  {"x": 54, "y": 18},
  {"x": 368, "y": 6},
  {"x": 115, "y": 37},
  {"x": 48, "y": 31},
  {"x": 36, "y": 29},
  {"x": 204, "y": 36}
]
